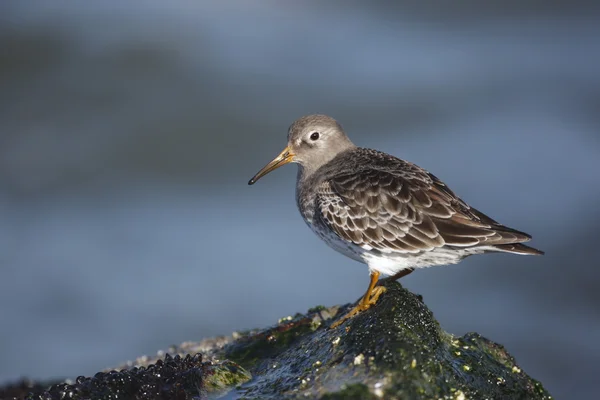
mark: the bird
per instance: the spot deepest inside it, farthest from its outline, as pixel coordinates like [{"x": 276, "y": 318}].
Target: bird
[{"x": 380, "y": 210}]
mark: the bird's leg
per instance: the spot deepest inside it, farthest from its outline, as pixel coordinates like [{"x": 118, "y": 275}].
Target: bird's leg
[
  {"x": 398, "y": 275},
  {"x": 368, "y": 300},
  {"x": 372, "y": 293}
]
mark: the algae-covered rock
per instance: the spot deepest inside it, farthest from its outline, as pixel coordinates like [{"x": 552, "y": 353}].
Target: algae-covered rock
[{"x": 395, "y": 350}]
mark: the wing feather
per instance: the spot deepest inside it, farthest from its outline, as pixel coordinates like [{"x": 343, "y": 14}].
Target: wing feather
[{"x": 405, "y": 210}]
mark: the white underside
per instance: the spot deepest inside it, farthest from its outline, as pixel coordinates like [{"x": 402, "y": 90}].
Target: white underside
[{"x": 392, "y": 262}]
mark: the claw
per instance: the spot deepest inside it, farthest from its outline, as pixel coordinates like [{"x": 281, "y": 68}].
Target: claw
[
  {"x": 377, "y": 291},
  {"x": 369, "y": 299}
]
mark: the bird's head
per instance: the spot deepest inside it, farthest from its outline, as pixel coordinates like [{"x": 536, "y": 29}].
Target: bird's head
[{"x": 313, "y": 141}]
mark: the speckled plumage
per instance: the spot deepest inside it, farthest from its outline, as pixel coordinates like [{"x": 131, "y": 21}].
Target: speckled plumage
[
  {"x": 381, "y": 210},
  {"x": 392, "y": 214}
]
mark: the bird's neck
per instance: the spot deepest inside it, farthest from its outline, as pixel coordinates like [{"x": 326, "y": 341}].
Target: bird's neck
[
  {"x": 307, "y": 172},
  {"x": 303, "y": 175},
  {"x": 307, "y": 169},
  {"x": 311, "y": 171},
  {"x": 305, "y": 193}
]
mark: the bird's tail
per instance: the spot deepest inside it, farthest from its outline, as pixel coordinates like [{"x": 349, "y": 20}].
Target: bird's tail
[{"x": 518, "y": 248}]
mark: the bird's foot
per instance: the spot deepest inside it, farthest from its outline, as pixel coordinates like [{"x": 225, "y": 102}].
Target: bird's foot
[
  {"x": 364, "y": 304},
  {"x": 375, "y": 293}
]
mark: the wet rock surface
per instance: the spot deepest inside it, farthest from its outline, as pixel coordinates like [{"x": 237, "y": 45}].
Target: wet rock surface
[{"x": 395, "y": 350}]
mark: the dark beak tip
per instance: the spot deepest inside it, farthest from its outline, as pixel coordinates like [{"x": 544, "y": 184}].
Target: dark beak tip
[{"x": 251, "y": 182}]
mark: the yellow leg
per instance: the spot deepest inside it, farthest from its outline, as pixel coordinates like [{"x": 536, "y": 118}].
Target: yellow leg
[{"x": 368, "y": 300}]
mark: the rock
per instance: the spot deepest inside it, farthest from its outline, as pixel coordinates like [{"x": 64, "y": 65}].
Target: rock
[
  {"x": 395, "y": 350},
  {"x": 173, "y": 377}
]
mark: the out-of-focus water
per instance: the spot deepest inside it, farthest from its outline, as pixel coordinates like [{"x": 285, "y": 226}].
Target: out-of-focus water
[{"x": 128, "y": 132}]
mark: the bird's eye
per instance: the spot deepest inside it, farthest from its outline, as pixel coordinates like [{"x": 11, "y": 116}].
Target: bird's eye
[{"x": 314, "y": 136}]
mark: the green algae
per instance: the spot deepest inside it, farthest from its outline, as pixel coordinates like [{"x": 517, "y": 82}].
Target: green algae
[
  {"x": 253, "y": 348},
  {"x": 225, "y": 376}
]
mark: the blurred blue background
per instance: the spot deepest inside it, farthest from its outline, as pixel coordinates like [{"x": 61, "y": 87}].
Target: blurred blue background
[{"x": 128, "y": 131}]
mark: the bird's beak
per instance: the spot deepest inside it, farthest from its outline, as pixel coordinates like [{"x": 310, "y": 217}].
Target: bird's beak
[{"x": 286, "y": 156}]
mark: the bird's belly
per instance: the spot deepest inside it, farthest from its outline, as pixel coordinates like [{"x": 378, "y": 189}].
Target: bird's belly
[
  {"x": 340, "y": 245},
  {"x": 390, "y": 263}
]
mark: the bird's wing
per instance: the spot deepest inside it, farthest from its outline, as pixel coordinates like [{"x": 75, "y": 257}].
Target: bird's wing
[{"x": 407, "y": 211}]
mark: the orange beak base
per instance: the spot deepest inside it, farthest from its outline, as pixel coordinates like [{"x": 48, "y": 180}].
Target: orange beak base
[{"x": 285, "y": 157}]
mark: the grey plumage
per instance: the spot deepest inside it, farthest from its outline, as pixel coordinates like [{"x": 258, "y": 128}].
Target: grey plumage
[
  {"x": 381, "y": 210},
  {"x": 373, "y": 199}
]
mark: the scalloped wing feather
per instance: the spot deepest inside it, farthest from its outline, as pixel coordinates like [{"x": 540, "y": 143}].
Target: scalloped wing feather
[{"x": 407, "y": 210}]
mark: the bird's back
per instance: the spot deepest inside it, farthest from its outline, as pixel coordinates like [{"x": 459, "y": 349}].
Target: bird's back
[{"x": 392, "y": 208}]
